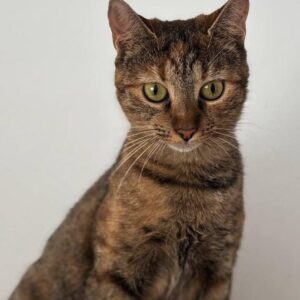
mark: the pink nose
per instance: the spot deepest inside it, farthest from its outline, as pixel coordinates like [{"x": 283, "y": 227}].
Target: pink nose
[{"x": 186, "y": 134}]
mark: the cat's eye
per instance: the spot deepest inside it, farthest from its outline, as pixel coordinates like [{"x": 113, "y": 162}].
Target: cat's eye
[
  {"x": 155, "y": 92},
  {"x": 213, "y": 90}
]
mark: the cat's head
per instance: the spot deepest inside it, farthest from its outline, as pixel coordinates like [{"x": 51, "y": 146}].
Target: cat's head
[{"x": 183, "y": 82}]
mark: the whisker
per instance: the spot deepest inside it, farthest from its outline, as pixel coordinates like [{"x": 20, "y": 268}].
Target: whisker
[
  {"x": 226, "y": 135},
  {"x": 163, "y": 148},
  {"x": 128, "y": 156},
  {"x": 243, "y": 123},
  {"x": 140, "y": 127},
  {"x": 217, "y": 144},
  {"x": 128, "y": 170},
  {"x": 156, "y": 147},
  {"x": 131, "y": 145},
  {"x": 232, "y": 145},
  {"x": 129, "y": 136},
  {"x": 156, "y": 154},
  {"x": 139, "y": 138},
  {"x": 228, "y": 131},
  {"x": 139, "y": 133}
]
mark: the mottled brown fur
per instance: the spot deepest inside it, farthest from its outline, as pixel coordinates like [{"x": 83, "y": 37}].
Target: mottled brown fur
[{"x": 161, "y": 224}]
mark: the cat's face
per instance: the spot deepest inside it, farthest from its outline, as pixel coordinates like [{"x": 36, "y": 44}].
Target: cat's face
[{"x": 182, "y": 81}]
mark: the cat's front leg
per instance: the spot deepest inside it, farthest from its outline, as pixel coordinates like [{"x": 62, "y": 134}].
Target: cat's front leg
[
  {"x": 108, "y": 288},
  {"x": 120, "y": 274},
  {"x": 218, "y": 290}
]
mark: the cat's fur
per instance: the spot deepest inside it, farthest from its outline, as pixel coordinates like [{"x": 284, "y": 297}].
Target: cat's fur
[{"x": 162, "y": 223}]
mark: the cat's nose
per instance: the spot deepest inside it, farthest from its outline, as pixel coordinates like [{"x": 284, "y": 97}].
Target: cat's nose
[{"x": 186, "y": 134}]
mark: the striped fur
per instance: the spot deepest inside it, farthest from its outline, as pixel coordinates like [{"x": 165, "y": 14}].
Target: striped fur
[{"x": 166, "y": 221}]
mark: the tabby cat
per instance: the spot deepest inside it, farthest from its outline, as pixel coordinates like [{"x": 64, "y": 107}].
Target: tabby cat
[{"x": 165, "y": 222}]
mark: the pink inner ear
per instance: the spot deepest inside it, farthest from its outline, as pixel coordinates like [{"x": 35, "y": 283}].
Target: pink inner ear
[
  {"x": 118, "y": 17},
  {"x": 125, "y": 24},
  {"x": 123, "y": 20}
]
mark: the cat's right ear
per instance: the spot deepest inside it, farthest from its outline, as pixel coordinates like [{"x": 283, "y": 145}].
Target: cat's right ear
[
  {"x": 230, "y": 20},
  {"x": 126, "y": 25}
]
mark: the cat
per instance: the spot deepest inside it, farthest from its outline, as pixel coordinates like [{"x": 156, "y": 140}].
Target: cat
[{"x": 166, "y": 221}]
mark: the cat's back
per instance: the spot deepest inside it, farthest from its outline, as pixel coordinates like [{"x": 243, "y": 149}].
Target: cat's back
[{"x": 62, "y": 270}]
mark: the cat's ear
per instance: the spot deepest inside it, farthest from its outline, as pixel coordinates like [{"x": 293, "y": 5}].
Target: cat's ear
[
  {"x": 230, "y": 19},
  {"x": 126, "y": 25}
]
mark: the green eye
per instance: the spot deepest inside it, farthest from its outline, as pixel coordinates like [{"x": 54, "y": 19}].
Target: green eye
[
  {"x": 155, "y": 92},
  {"x": 213, "y": 90}
]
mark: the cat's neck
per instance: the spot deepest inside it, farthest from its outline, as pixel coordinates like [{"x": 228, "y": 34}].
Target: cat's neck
[{"x": 159, "y": 161}]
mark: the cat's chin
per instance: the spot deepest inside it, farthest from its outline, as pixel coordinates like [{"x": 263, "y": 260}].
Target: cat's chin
[{"x": 183, "y": 148}]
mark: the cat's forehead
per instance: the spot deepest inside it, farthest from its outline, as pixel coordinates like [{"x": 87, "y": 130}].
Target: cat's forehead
[
  {"x": 183, "y": 63},
  {"x": 178, "y": 28},
  {"x": 182, "y": 54},
  {"x": 180, "y": 44},
  {"x": 181, "y": 50},
  {"x": 177, "y": 61}
]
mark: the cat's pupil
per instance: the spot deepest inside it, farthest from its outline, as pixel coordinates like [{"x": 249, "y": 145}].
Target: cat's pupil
[
  {"x": 213, "y": 88},
  {"x": 155, "y": 90}
]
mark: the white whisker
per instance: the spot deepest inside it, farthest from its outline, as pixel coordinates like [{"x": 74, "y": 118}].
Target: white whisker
[
  {"x": 217, "y": 144},
  {"x": 230, "y": 144},
  {"x": 128, "y": 170},
  {"x": 135, "y": 150},
  {"x": 153, "y": 150},
  {"x": 130, "y": 135},
  {"x": 139, "y": 138},
  {"x": 132, "y": 145},
  {"x": 225, "y": 135}
]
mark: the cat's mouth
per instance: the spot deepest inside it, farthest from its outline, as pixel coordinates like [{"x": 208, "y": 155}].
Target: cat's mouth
[{"x": 183, "y": 147}]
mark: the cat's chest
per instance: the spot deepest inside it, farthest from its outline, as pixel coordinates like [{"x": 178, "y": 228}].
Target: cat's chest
[
  {"x": 194, "y": 253},
  {"x": 197, "y": 244},
  {"x": 196, "y": 229}
]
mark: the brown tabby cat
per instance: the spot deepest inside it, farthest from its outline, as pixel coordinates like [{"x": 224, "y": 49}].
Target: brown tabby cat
[{"x": 166, "y": 221}]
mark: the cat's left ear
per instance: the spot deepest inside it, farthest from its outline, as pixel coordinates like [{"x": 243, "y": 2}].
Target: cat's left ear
[
  {"x": 231, "y": 19},
  {"x": 127, "y": 27}
]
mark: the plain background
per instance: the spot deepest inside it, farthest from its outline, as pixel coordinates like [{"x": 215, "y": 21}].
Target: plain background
[{"x": 61, "y": 127}]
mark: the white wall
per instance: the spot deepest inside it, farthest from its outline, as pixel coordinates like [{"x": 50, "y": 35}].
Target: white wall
[{"x": 61, "y": 127}]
